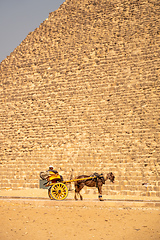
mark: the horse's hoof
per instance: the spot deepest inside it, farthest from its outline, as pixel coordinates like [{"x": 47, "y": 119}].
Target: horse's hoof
[{"x": 101, "y": 199}]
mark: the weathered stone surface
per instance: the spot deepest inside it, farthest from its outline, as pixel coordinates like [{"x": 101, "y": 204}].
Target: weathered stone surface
[{"x": 82, "y": 92}]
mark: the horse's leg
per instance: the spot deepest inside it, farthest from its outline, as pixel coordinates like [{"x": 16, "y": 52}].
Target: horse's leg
[
  {"x": 100, "y": 192},
  {"x": 78, "y": 188},
  {"x": 80, "y": 195},
  {"x": 75, "y": 195}
]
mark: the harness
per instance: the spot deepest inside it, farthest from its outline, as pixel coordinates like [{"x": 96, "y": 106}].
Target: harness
[{"x": 97, "y": 176}]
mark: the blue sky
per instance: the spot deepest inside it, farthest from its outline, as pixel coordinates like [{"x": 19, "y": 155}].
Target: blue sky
[{"x": 18, "y": 18}]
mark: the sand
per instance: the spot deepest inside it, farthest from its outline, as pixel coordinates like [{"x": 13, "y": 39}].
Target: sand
[{"x": 71, "y": 220}]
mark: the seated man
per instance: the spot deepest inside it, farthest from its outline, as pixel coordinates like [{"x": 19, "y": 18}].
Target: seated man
[{"x": 50, "y": 170}]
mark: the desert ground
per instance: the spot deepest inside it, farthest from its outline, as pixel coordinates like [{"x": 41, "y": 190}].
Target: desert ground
[{"x": 37, "y": 219}]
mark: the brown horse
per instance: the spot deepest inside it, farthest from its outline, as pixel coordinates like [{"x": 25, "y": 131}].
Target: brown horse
[{"x": 97, "y": 181}]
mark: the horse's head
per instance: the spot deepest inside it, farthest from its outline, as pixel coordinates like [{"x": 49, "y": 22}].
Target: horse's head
[{"x": 111, "y": 177}]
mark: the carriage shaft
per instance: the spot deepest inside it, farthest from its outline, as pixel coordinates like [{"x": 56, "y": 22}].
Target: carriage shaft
[{"x": 78, "y": 179}]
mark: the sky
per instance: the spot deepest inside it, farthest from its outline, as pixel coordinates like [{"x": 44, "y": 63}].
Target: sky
[{"x": 18, "y": 18}]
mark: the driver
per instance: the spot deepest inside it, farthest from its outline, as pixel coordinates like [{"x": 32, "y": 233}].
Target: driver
[{"x": 51, "y": 170}]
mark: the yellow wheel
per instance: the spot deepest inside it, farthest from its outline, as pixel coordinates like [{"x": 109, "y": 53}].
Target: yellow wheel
[
  {"x": 59, "y": 191},
  {"x": 49, "y": 194}
]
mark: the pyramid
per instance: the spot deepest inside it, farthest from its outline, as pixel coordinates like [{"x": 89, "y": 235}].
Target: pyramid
[{"x": 81, "y": 92}]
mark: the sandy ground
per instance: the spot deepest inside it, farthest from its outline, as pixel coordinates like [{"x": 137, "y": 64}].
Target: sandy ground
[{"x": 71, "y": 220}]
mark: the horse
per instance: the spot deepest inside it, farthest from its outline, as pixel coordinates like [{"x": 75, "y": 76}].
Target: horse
[{"x": 97, "y": 181}]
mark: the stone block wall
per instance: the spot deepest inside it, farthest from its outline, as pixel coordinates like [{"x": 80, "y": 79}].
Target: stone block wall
[{"x": 82, "y": 92}]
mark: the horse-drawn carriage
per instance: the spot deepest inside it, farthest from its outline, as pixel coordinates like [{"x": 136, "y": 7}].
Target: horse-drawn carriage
[{"x": 58, "y": 190}]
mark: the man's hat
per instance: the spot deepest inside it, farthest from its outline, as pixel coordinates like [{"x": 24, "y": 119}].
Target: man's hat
[{"x": 50, "y": 166}]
